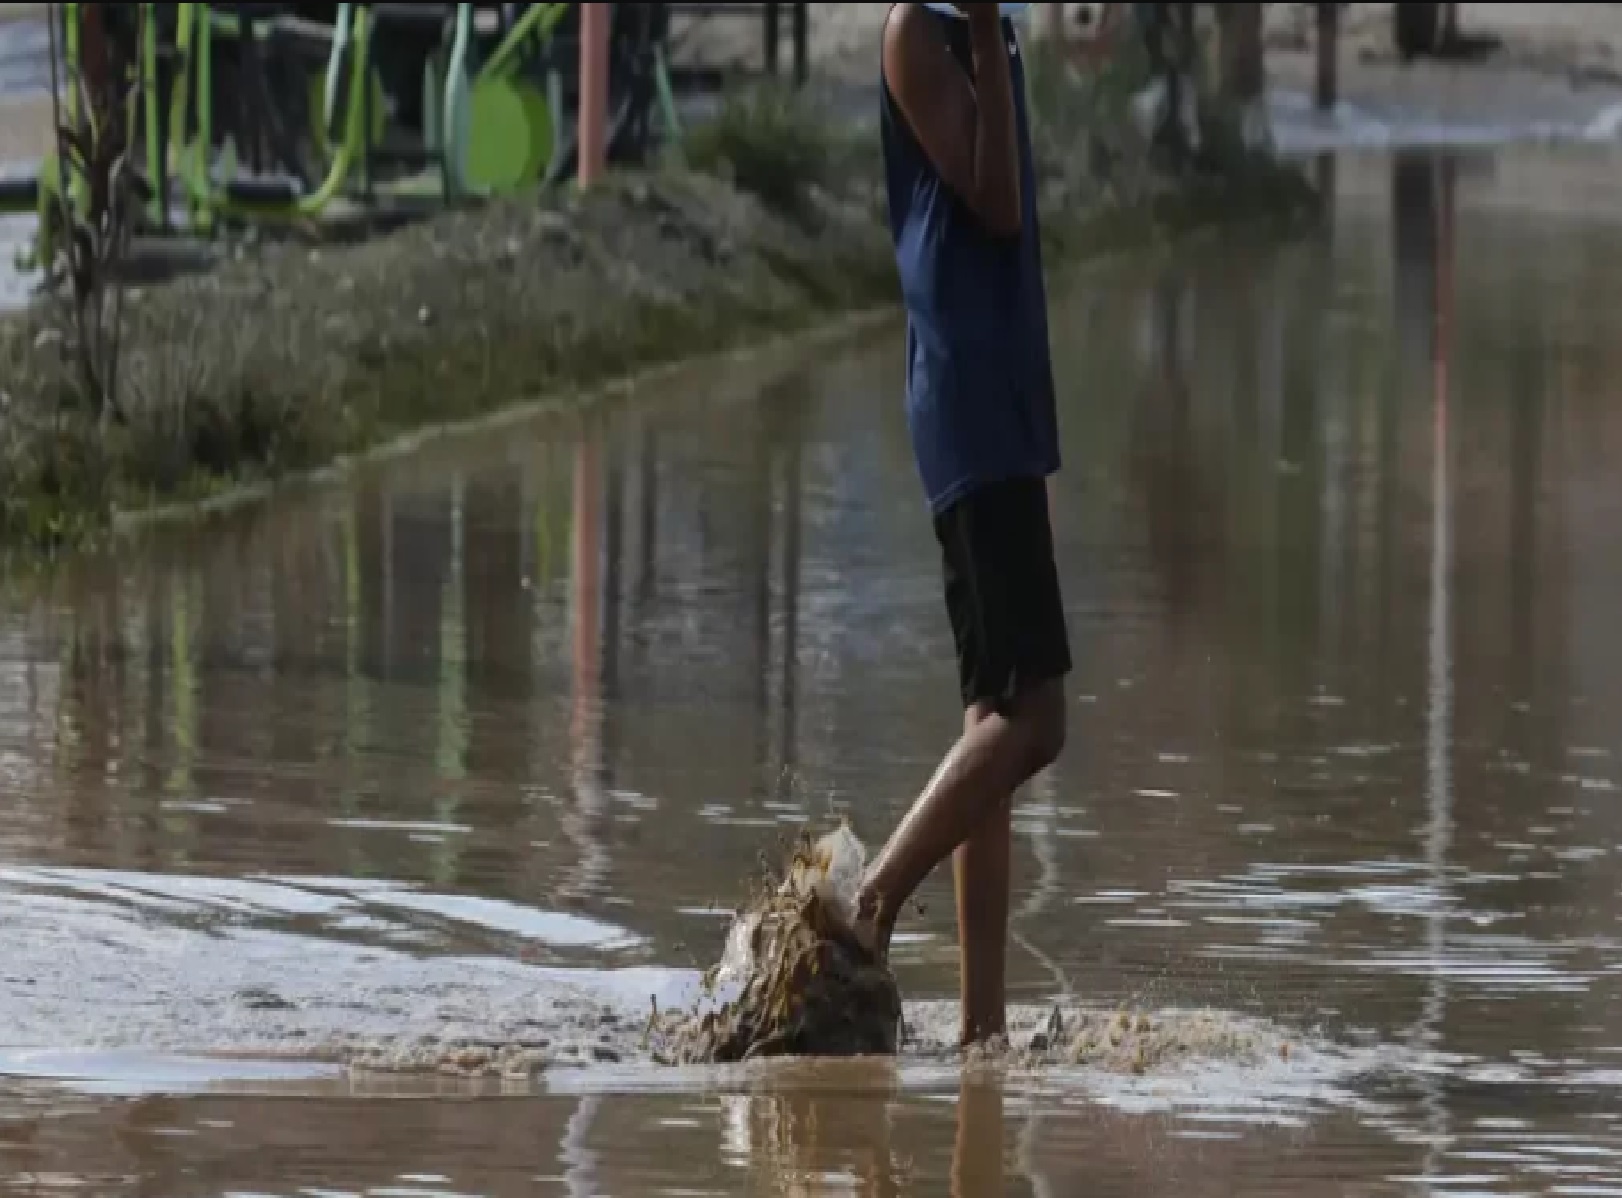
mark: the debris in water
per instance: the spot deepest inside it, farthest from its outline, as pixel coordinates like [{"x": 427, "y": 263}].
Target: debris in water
[
  {"x": 1121, "y": 1042},
  {"x": 794, "y": 979}
]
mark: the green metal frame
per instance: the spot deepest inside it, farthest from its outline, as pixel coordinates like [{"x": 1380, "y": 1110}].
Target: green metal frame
[
  {"x": 178, "y": 127},
  {"x": 197, "y": 27}
]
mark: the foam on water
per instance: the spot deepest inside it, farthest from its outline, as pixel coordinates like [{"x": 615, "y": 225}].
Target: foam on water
[
  {"x": 108, "y": 960},
  {"x": 138, "y": 981}
]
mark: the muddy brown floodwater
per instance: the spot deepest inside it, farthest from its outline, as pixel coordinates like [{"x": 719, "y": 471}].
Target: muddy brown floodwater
[{"x": 347, "y": 843}]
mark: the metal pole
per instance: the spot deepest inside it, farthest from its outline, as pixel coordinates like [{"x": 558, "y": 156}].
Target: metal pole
[
  {"x": 593, "y": 137},
  {"x": 1328, "y": 54},
  {"x": 802, "y": 43},
  {"x": 1450, "y": 24},
  {"x": 771, "y": 36}
]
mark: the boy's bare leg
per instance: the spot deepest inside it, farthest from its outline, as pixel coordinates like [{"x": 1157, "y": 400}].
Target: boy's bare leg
[
  {"x": 993, "y": 759},
  {"x": 981, "y": 875}
]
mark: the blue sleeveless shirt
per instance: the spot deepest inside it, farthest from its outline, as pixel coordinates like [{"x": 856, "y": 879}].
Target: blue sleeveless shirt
[{"x": 980, "y": 402}]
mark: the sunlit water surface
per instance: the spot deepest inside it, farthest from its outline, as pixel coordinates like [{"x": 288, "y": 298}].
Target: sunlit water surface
[{"x": 347, "y": 845}]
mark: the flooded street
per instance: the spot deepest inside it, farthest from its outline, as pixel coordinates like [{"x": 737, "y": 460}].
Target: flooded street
[{"x": 346, "y": 846}]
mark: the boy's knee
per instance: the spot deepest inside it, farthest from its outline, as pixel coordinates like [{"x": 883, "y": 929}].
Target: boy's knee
[{"x": 1044, "y": 719}]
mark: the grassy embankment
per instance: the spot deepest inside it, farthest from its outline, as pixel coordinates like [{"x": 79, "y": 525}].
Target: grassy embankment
[{"x": 291, "y": 357}]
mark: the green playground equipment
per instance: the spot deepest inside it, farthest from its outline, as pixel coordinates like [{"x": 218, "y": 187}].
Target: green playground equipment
[
  {"x": 278, "y": 112},
  {"x": 39, "y": 193},
  {"x": 493, "y": 105}
]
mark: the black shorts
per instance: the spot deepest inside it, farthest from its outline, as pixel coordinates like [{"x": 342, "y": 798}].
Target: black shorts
[{"x": 1002, "y": 591}]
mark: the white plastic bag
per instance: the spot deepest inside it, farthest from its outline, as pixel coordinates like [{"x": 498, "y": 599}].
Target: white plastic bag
[{"x": 832, "y": 871}]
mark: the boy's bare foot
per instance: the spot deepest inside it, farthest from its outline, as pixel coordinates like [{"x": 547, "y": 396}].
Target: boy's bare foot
[{"x": 873, "y": 927}]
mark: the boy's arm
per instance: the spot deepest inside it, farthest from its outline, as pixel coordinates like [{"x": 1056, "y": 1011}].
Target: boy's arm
[{"x": 967, "y": 130}]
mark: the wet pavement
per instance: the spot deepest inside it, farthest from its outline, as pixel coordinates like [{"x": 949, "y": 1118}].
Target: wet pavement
[
  {"x": 25, "y": 53},
  {"x": 346, "y": 843}
]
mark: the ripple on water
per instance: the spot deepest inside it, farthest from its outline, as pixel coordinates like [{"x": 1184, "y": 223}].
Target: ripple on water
[
  {"x": 99, "y": 959},
  {"x": 132, "y": 1072}
]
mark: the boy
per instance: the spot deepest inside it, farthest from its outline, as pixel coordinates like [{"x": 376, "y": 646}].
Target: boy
[{"x": 980, "y": 408}]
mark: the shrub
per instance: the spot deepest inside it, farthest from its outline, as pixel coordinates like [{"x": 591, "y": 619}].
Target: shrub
[{"x": 769, "y": 141}]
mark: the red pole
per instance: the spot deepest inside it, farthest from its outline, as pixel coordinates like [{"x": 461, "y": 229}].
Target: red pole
[
  {"x": 586, "y": 596},
  {"x": 593, "y": 155}
]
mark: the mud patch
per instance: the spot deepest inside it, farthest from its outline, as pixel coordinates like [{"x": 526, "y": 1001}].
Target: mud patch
[{"x": 794, "y": 980}]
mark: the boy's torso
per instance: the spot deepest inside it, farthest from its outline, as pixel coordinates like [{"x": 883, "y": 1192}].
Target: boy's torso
[{"x": 979, "y": 381}]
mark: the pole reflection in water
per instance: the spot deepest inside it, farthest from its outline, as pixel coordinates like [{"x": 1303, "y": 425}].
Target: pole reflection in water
[
  {"x": 1164, "y": 457},
  {"x": 793, "y": 485},
  {"x": 759, "y": 565},
  {"x": 451, "y": 755},
  {"x": 1423, "y": 195},
  {"x": 647, "y": 575},
  {"x": 787, "y": 417},
  {"x": 584, "y": 811},
  {"x": 613, "y": 622}
]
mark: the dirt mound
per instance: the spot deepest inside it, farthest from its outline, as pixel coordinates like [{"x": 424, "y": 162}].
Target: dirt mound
[{"x": 794, "y": 979}]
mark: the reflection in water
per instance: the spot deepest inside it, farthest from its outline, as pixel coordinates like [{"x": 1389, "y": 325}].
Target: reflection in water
[
  {"x": 583, "y": 817},
  {"x": 578, "y": 1158},
  {"x": 1338, "y": 534},
  {"x": 818, "y": 1129},
  {"x": 1163, "y": 451},
  {"x": 977, "y": 1157},
  {"x": 1432, "y": 204}
]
